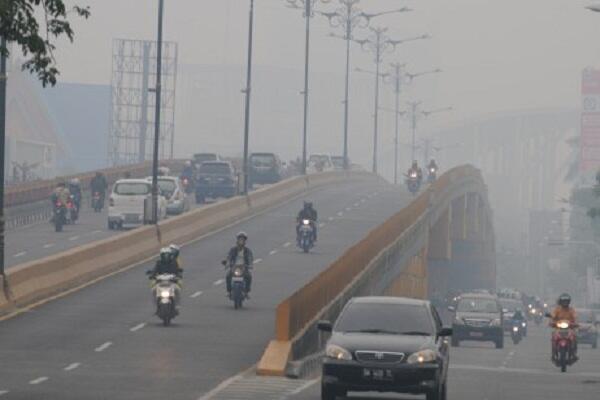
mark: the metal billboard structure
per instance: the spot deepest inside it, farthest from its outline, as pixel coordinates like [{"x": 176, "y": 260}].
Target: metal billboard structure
[{"x": 133, "y": 101}]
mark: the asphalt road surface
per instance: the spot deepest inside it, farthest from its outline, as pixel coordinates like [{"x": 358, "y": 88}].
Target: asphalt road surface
[
  {"x": 103, "y": 342},
  {"x": 523, "y": 372}
]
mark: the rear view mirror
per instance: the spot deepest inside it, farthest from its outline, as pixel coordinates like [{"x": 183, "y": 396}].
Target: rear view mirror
[
  {"x": 324, "y": 326},
  {"x": 445, "y": 332}
]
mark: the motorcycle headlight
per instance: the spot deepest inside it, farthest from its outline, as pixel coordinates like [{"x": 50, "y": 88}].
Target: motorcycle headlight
[
  {"x": 515, "y": 329},
  {"x": 305, "y": 222},
  {"x": 423, "y": 356},
  {"x": 337, "y": 352},
  {"x": 563, "y": 325},
  {"x": 165, "y": 294},
  {"x": 533, "y": 310},
  {"x": 523, "y": 324},
  {"x": 496, "y": 322},
  {"x": 238, "y": 272}
]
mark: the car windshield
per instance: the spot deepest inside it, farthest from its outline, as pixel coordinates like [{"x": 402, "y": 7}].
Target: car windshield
[
  {"x": 203, "y": 157},
  {"x": 215, "y": 168},
  {"x": 265, "y": 160},
  {"x": 511, "y": 305},
  {"x": 585, "y": 316},
  {"x": 167, "y": 186},
  {"x": 477, "y": 305},
  {"x": 385, "y": 318},
  {"x": 132, "y": 188}
]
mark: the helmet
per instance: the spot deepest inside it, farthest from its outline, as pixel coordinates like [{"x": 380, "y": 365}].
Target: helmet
[
  {"x": 75, "y": 182},
  {"x": 174, "y": 250},
  {"x": 241, "y": 235},
  {"x": 188, "y": 163},
  {"x": 564, "y": 300},
  {"x": 308, "y": 204},
  {"x": 165, "y": 254}
]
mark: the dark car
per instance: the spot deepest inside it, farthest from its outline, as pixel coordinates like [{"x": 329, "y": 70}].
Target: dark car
[
  {"x": 478, "y": 317},
  {"x": 588, "y": 327},
  {"x": 509, "y": 307},
  {"x": 215, "y": 179},
  {"x": 265, "y": 168},
  {"x": 386, "y": 344},
  {"x": 200, "y": 158}
]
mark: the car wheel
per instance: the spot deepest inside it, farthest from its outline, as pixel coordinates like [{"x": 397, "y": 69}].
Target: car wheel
[
  {"x": 500, "y": 344},
  {"x": 437, "y": 394},
  {"x": 327, "y": 392}
]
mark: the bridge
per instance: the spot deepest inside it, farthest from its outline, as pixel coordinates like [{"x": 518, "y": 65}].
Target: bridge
[{"x": 79, "y": 323}]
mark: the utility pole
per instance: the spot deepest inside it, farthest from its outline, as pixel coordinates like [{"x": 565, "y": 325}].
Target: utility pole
[
  {"x": 397, "y": 89},
  {"x": 3, "y": 78},
  {"x": 349, "y": 17},
  {"x": 157, "y": 113},
  {"x": 247, "y": 91}
]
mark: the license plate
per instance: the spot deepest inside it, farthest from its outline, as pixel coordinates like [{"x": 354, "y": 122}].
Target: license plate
[
  {"x": 377, "y": 374},
  {"x": 237, "y": 279},
  {"x": 476, "y": 334}
]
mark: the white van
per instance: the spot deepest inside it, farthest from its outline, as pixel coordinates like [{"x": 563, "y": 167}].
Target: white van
[{"x": 126, "y": 203}]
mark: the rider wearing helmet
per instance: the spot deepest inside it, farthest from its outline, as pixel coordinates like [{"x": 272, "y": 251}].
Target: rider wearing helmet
[
  {"x": 308, "y": 212},
  {"x": 415, "y": 167},
  {"x": 239, "y": 255},
  {"x": 175, "y": 250},
  {"x": 167, "y": 264},
  {"x": 564, "y": 312},
  {"x": 75, "y": 190}
]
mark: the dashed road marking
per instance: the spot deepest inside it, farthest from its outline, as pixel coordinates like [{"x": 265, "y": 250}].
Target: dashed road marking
[
  {"x": 348, "y": 208},
  {"x": 39, "y": 380},
  {"x": 3, "y": 392},
  {"x": 218, "y": 282},
  {"x": 330, "y": 219},
  {"x": 356, "y": 204},
  {"x": 95, "y": 232},
  {"x": 340, "y": 214},
  {"x": 138, "y": 327},
  {"x": 272, "y": 252},
  {"x": 258, "y": 261},
  {"x": 74, "y": 237},
  {"x": 71, "y": 367},
  {"x": 286, "y": 244},
  {"x": 321, "y": 225},
  {"x": 103, "y": 347},
  {"x": 198, "y": 293},
  {"x": 48, "y": 245},
  {"x": 257, "y": 387},
  {"x": 21, "y": 254},
  {"x": 363, "y": 200}
]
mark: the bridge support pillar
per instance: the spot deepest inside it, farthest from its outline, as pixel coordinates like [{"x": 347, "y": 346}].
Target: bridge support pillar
[
  {"x": 412, "y": 282},
  {"x": 473, "y": 216},
  {"x": 458, "y": 226}
]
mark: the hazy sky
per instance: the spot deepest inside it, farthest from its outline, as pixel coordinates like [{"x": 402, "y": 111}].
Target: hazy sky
[{"x": 496, "y": 55}]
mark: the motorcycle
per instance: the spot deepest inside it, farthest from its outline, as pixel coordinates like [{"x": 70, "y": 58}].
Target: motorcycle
[
  {"x": 516, "y": 332},
  {"x": 563, "y": 345},
  {"x": 432, "y": 176},
  {"x": 412, "y": 182},
  {"x": 306, "y": 236},
  {"x": 72, "y": 213},
  {"x": 238, "y": 285},
  {"x": 536, "y": 315},
  {"x": 166, "y": 296},
  {"x": 187, "y": 185},
  {"x": 97, "y": 202},
  {"x": 59, "y": 215}
]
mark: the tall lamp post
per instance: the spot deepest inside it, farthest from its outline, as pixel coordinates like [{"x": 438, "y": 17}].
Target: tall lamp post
[
  {"x": 2, "y": 147},
  {"x": 158, "y": 90},
  {"x": 379, "y": 43},
  {"x": 415, "y": 115},
  {"x": 307, "y": 6},
  {"x": 247, "y": 91},
  {"x": 349, "y": 17}
]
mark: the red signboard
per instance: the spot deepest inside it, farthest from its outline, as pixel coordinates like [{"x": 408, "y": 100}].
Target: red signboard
[{"x": 590, "y": 120}]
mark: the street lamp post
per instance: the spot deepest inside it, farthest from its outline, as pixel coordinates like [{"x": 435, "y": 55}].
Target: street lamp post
[
  {"x": 2, "y": 147},
  {"x": 158, "y": 90},
  {"x": 414, "y": 119},
  {"x": 379, "y": 43},
  {"x": 349, "y": 17},
  {"x": 247, "y": 91}
]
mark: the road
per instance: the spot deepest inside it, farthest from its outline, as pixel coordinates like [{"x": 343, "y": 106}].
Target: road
[
  {"x": 103, "y": 342},
  {"x": 523, "y": 372}
]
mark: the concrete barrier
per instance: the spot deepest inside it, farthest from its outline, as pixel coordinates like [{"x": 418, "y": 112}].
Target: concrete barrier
[
  {"x": 390, "y": 259},
  {"x": 40, "y": 279}
]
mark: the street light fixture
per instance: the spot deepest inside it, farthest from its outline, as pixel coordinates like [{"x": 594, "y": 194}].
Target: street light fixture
[
  {"x": 379, "y": 43},
  {"x": 415, "y": 113},
  {"x": 307, "y": 6},
  {"x": 349, "y": 17}
]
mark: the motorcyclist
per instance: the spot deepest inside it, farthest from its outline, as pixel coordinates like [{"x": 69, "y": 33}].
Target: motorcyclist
[
  {"x": 564, "y": 312},
  {"x": 415, "y": 167},
  {"x": 75, "y": 190},
  {"x": 308, "y": 212},
  {"x": 432, "y": 166},
  {"x": 98, "y": 184},
  {"x": 187, "y": 175},
  {"x": 61, "y": 193},
  {"x": 239, "y": 255},
  {"x": 167, "y": 264},
  {"x": 175, "y": 250}
]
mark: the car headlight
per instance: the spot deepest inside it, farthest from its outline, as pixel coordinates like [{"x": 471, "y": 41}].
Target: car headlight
[
  {"x": 423, "y": 356},
  {"x": 496, "y": 322},
  {"x": 337, "y": 352}
]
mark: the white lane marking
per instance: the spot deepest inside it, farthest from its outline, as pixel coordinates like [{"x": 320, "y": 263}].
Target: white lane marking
[
  {"x": 521, "y": 371},
  {"x": 74, "y": 238},
  {"x": 138, "y": 327},
  {"x": 330, "y": 219},
  {"x": 258, "y": 261},
  {"x": 321, "y": 225},
  {"x": 272, "y": 252},
  {"x": 21, "y": 254},
  {"x": 3, "y": 392},
  {"x": 356, "y": 204},
  {"x": 95, "y": 232},
  {"x": 363, "y": 200},
  {"x": 103, "y": 347},
  {"x": 47, "y": 246},
  {"x": 348, "y": 208},
  {"x": 39, "y": 380},
  {"x": 340, "y": 214},
  {"x": 71, "y": 367},
  {"x": 304, "y": 387},
  {"x": 286, "y": 244},
  {"x": 217, "y": 283},
  {"x": 198, "y": 293}
]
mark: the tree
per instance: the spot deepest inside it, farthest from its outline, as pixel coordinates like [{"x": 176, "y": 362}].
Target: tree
[{"x": 19, "y": 24}]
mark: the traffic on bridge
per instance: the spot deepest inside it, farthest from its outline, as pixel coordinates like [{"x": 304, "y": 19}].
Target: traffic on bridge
[{"x": 258, "y": 199}]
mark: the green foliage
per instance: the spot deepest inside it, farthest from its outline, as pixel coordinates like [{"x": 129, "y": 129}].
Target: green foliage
[{"x": 19, "y": 24}]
